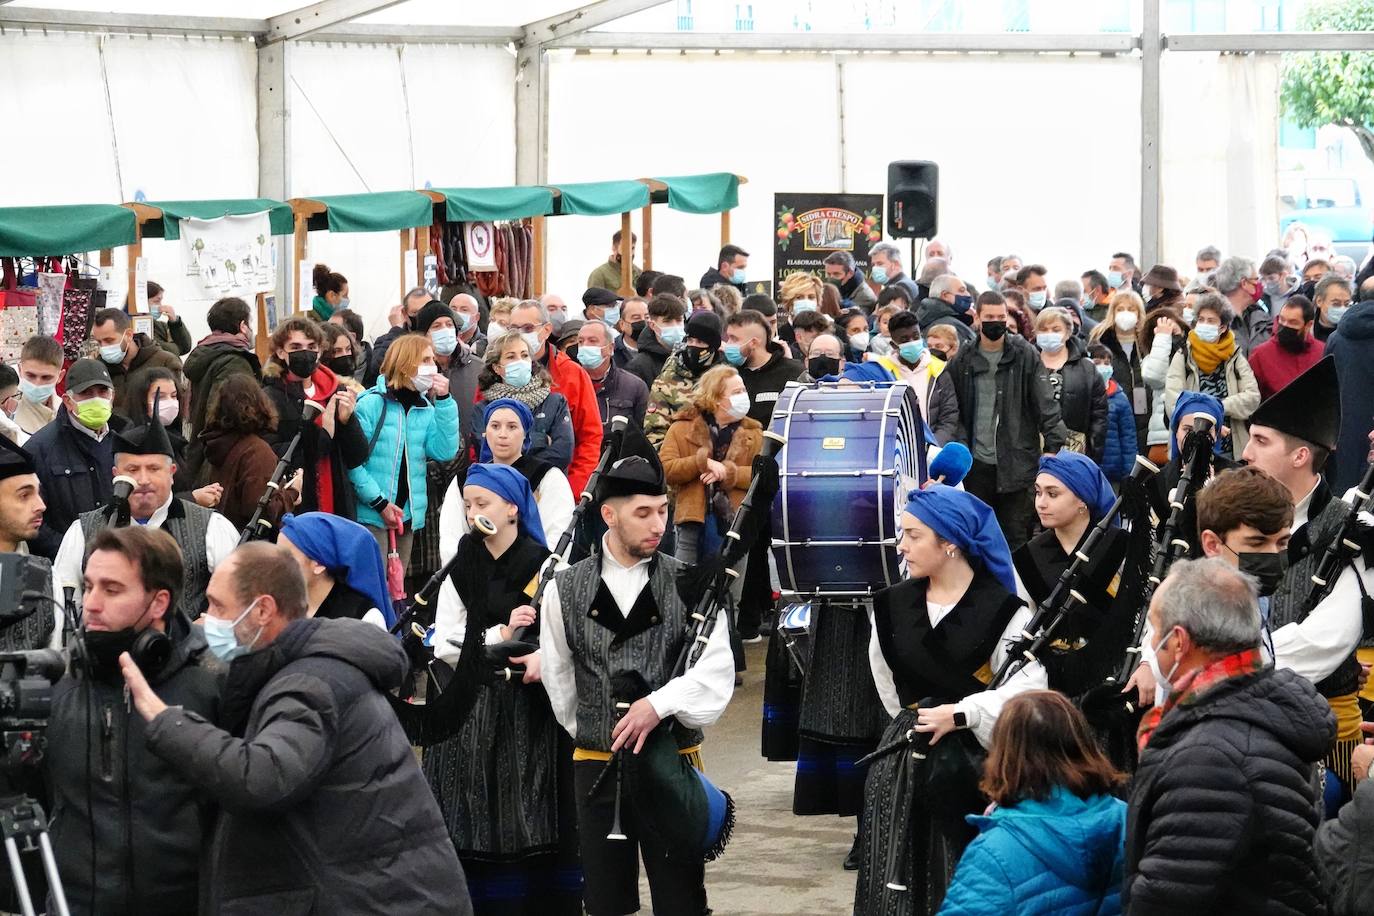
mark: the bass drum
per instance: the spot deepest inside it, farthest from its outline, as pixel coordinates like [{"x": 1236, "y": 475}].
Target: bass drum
[{"x": 853, "y": 453}]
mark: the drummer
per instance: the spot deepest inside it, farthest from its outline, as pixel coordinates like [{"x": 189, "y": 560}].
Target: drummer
[
  {"x": 1072, "y": 496},
  {"x": 937, "y": 639}
]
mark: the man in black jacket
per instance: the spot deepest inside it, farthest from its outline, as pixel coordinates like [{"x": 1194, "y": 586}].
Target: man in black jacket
[
  {"x": 74, "y": 453},
  {"x": 1008, "y": 417},
  {"x": 618, "y": 393},
  {"x": 760, "y": 362},
  {"x": 667, "y": 316},
  {"x": 1222, "y": 812},
  {"x": 730, "y": 265},
  {"x": 128, "y": 830},
  {"x": 227, "y": 350},
  {"x": 325, "y": 807}
]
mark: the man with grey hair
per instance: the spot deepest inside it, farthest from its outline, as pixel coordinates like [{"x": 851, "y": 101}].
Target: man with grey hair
[
  {"x": 1239, "y": 282},
  {"x": 939, "y": 248},
  {"x": 1332, "y": 297},
  {"x": 1222, "y": 809},
  {"x": 618, "y": 393},
  {"x": 1207, "y": 259},
  {"x": 885, "y": 260},
  {"x": 556, "y": 308},
  {"x": 929, "y": 271},
  {"x": 841, "y": 269},
  {"x": 1343, "y": 267},
  {"x": 948, "y": 303}
]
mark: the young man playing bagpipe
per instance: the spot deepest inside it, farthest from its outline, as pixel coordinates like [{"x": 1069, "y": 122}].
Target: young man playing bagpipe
[{"x": 614, "y": 627}]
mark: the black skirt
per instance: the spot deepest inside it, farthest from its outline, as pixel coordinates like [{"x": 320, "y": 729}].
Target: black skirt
[{"x": 782, "y": 689}]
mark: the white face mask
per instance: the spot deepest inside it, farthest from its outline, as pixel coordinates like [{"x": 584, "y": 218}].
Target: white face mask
[
  {"x": 1163, "y": 682},
  {"x": 859, "y": 341},
  {"x": 423, "y": 379},
  {"x": 167, "y": 411},
  {"x": 739, "y": 404},
  {"x": 1126, "y": 321}
]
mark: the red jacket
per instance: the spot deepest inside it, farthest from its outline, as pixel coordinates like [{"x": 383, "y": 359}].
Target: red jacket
[
  {"x": 1275, "y": 367},
  {"x": 572, "y": 381}
]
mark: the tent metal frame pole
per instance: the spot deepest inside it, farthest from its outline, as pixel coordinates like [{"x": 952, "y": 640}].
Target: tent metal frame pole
[{"x": 1151, "y": 56}]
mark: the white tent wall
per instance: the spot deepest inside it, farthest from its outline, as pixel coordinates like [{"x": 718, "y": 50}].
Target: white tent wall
[
  {"x": 635, "y": 116},
  {"x": 360, "y": 122}
]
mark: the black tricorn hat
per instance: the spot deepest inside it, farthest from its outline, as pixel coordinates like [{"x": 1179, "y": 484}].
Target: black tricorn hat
[
  {"x": 633, "y": 476},
  {"x": 149, "y": 439},
  {"x": 1308, "y": 408}
]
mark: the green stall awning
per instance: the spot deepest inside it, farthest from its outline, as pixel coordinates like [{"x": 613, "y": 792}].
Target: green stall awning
[
  {"x": 379, "y": 212},
  {"x": 465, "y": 205},
  {"x": 65, "y": 230},
  {"x": 174, "y": 211},
  {"x": 601, "y": 198},
  {"x": 715, "y": 192}
]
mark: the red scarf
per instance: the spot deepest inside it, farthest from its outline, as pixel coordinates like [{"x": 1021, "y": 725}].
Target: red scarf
[
  {"x": 1197, "y": 682},
  {"x": 326, "y": 383}
]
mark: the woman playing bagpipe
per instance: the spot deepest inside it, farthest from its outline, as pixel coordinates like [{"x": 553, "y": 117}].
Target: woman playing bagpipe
[
  {"x": 1190, "y": 406},
  {"x": 504, "y": 780},
  {"x": 937, "y": 638},
  {"x": 1071, "y": 496}
]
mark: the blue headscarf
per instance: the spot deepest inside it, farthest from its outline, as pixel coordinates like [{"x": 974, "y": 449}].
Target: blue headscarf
[
  {"x": 342, "y": 546},
  {"x": 521, "y": 411},
  {"x": 510, "y": 485},
  {"x": 1191, "y": 402},
  {"x": 1081, "y": 475},
  {"x": 867, "y": 372},
  {"x": 969, "y": 524}
]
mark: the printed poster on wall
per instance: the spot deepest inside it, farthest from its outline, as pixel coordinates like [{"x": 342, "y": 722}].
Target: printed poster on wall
[
  {"x": 228, "y": 256},
  {"x": 808, "y": 227}
]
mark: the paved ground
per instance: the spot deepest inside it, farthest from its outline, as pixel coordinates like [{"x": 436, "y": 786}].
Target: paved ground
[{"x": 777, "y": 864}]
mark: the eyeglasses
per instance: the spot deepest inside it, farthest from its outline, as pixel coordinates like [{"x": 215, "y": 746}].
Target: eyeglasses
[{"x": 525, "y": 328}]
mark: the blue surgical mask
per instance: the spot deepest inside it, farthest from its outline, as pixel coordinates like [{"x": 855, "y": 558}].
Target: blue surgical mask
[
  {"x": 612, "y": 314},
  {"x": 518, "y": 373},
  {"x": 803, "y": 305},
  {"x": 531, "y": 339},
  {"x": 1208, "y": 332},
  {"x": 1189, "y": 315},
  {"x": 733, "y": 354},
  {"x": 464, "y": 322},
  {"x": 219, "y": 634},
  {"x": 445, "y": 341},
  {"x": 343, "y": 304},
  {"x": 1115, "y": 279},
  {"x": 963, "y": 303},
  {"x": 910, "y": 352},
  {"x": 113, "y": 353},
  {"x": 879, "y": 274},
  {"x": 36, "y": 394},
  {"x": 1036, "y": 300},
  {"x": 672, "y": 335},
  {"x": 738, "y": 277},
  {"x": 1105, "y": 372},
  {"x": 590, "y": 357},
  {"x": 1336, "y": 312},
  {"x": 1049, "y": 341}
]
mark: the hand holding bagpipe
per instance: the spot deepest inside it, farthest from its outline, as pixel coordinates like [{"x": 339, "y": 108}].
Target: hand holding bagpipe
[
  {"x": 1066, "y": 598},
  {"x": 259, "y": 527},
  {"x": 1343, "y": 548},
  {"x": 507, "y": 654}
]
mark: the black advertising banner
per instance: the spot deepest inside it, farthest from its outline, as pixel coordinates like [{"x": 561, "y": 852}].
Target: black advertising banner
[{"x": 811, "y": 226}]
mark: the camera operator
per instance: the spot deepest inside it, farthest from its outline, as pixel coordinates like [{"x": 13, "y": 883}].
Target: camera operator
[
  {"x": 21, "y": 516},
  {"x": 145, "y": 455},
  {"x": 325, "y": 808},
  {"x": 127, "y": 827}
]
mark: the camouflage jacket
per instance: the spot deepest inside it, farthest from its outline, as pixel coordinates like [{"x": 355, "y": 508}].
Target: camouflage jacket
[{"x": 670, "y": 393}]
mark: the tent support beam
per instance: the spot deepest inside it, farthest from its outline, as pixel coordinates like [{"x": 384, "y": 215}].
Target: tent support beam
[
  {"x": 274, "y": 146},
  {"x": 317, "y": 16},
  {"x": 1151, "y": 53},
  {"x": 531, "y": 116},
  {"x": 579, "y": 20}
]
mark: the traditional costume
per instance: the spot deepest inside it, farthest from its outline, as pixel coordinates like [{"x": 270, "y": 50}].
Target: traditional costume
[
  {"x": 613, "y": 633},
  {"x": 1189, "y": 404},
  {"x": 924, "y": 655},
  {"x": 205, "y": 537},
  {"x": 349, "y": 552},
  {"x": 504, "y": 781},
  {"x": 1318, "y": 642}
]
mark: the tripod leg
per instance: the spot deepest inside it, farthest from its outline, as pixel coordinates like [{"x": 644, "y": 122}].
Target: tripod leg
[
  {"x": 59, "y": 896},
  {"x": 21, "y": 885}
]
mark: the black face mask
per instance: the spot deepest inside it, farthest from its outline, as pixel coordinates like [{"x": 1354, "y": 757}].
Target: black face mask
[
  {"x": 103, "y": 648},
  {"x": 637, "y": 328},
  {"x": 302, "y": 363},
  {"x": 1267, "y": 568},
  {"x": 1292, "y": 339},
  {"x": 938, "y": 354},
  {"x": 571, "y": 353},
  {"x": 695, "y": 359},
  {"x": 821, "y": 366},
  {"x": 340, "y": 365},
  {"x": 994, "y": 330}
]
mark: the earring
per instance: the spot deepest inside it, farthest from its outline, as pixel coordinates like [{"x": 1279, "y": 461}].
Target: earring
[{"x": 949, "y": 553}]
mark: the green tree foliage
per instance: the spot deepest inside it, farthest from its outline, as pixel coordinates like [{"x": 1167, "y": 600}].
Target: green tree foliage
[{"x": 1333, "y": 87}]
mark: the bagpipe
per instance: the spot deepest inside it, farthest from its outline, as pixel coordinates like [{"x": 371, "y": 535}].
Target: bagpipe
[
  {"x": 676, "y": 800},
  {"x": 259, "y": 528},
  {"x": 1066, "y": 599},
  {"x": 1345, "y": 546},
  {"x": 117, "y": 512}
]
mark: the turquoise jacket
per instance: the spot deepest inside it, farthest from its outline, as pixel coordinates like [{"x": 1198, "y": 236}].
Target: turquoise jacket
[
  {"x": 430, "y": 433},
  {"x": 1062, "y": 856}
]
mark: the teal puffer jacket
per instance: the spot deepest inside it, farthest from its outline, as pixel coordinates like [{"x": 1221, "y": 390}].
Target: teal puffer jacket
[
  {"x": 430, "y": 433},
  {"x": 1063, "y": 856}
]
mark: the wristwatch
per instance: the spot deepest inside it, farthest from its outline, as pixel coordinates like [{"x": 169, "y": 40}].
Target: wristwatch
[{"x": 960, "y": 720}]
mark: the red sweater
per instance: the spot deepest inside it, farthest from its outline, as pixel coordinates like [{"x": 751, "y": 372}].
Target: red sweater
[{"x": 1275, "y": 367}]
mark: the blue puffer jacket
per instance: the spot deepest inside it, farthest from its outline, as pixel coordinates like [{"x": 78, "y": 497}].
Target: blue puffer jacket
[
  {"x": 1118, "y": 456},
  {"x": 431, "y": 434},
  {"x": 1062, "y": 856}
]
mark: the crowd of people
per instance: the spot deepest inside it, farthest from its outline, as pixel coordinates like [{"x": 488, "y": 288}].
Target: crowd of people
[{"x": 237, "y": 730}]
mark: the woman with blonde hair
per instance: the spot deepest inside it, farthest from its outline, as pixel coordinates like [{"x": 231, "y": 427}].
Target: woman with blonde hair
[
  {"x": 1052, "y": 794},
  {"x": 707, "y": 456},
  {"x": 1068, "y": 372},
  {"x": 801, "y": 292},
  {"x": 510, "y": 371},
  {"x": 408, "y": 418},
  {"x": 1119, "y": 332}
]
